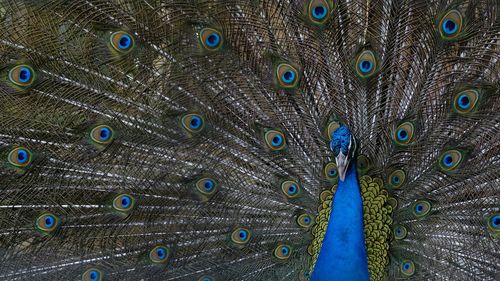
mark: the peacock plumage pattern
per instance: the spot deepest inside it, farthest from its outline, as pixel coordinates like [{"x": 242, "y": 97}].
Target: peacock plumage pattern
[{"x": 195, "y": 140}]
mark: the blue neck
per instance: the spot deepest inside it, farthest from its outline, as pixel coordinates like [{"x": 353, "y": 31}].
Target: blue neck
[{"x": 343, "y": 253}]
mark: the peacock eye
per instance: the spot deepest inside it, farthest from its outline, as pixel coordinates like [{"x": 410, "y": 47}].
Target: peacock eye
[
  {"x": 407, "y": 268},
  {"x": 400, "y": 232},
  {"x": 19, "y": 157},
  {"x": 159, "y": 254},
  {"x": 282, "y": 252},
  {"x": 92, "y": 275},
  {"x": 290, "y": 188},
  {"x": 287, "y": 75},
  {"x": 450, "y": 25},
  {"x": 241, "y": 236},
  {"x": 206, "y": 278},
  {"x": 123, "y": 203},
  {"x": 193, "y": 123},
  {"x": 331, "y": 172},
  {"x": 421, "y": 208},
  {"x": 319, "y": 11},
  {"x": 102, "y": 134},
  {"x": 331, "y": 128},
  {"x": 366, "y": 64},
  {"x": 465, "y": 101},
  {"x": 396, "y": 179},
  {"x": 206, "y": 186},
  {"x": 275, "y": 140},
  {"x": 493, "y": 221},
  {"x": 450, "y": 160},
  {"x": 305, "y": 220},
  {"x": 47, "y": 222},
  {"x": 211, "y": 39},
  {"x": 122, "y": 41},
  {"x": 404, "y": 133},
  {"x": 22, "y": 75}
]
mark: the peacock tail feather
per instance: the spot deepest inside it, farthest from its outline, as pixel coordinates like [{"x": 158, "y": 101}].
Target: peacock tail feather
[{"x": 191, "y": 140}]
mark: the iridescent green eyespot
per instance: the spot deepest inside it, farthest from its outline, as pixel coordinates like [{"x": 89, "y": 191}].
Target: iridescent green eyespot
[
  {"x": 159, "y": 254},
  {"x": 241, "y": 236},
  {"x": 287, "y": 76},
  {"x": 22, "y": 75},
  {"x": 211, "y": 39},
  {"x": 407, "y": 268},
  {"x": 193, "y": 123},
  {"x": 450, "y": 25},
  {"x": 122, "y": 41},
  {"x": 282, "y": 252},
  {"x": 319, "y": 11},
  {"x": 92, "y": 274},
  {"x": 102, "y": 134},
  {"x": 404, "y": 134},
  {"x": 399, "y": 232},
  {"x": 396, "y": 179},
  {"x": 450, "y": 160},
  {"x": 47, "y": 223},
  {"x": 466, "y": 101},
  {"x": 275, "y": 140},
  {"x": 20, "y": 157},
  {"x": 123, "y": 203},
  {"x": 305, "y": 220},
  {"x": 421, "y": 208},
  {"x": 290, "y": 188},
  {"x": 366, "y": 64}
]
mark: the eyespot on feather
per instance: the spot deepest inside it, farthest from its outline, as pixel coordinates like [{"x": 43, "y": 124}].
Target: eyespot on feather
[
  {"x": 123, "y": 203},
  {"x": 421, "y": 208},
  {"x": 211, "y": 39},
  {"x": 404, "y": 134},
  {"x": 159, "y": 254},
  {"x": 399, "y": 232},
  {"x": 275, "y": 140},
  {"x": 241, "y": 236},
  {"x": 363, "y": 164},
  {"x": 305, "y": 220},
  {"x": 206, "y": 278},
  {"x": 122, "y": 42},
  {"x": 450, "y": 160},
  {"x": 493, "y": 223},
  {"x": 47, "y": 223},
  {"x": 319, "y": 11},
  {"x": 466, "y": 101},
  {"x": 330, "y": 172},
  {"x": 450, "y": 25},
  {"x": 206, "y": 186},
  {"x": 396, "y": 179},
  {"x": 22, "y": 75},
  {"x": 287, "y": 76},
  {"x": 193, "y": 123},
  {"x": 282, "y": 252},
  {"x": 20, "y": 157},
  {"x": 92, "y": 274},
  {"x": 102, "y": 134},
  {"x": 407, "y": 268},
  {"x": 366, "y": 64},
  {"x": 290, "y": 188}
]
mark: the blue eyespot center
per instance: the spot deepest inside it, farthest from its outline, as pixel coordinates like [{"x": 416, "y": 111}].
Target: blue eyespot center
[
  {"x": 406, "y": 266},
  {"x": 288, "y": 77},
  {"x": 319, "y": 12},
  {"x": 195, "y": 122},
  {"x": 495, "y": 221},
  {"x": 208, "y": 185},
  {"x": 332, "y": 172},
  {"x": 402, "y": 134},
  {"x": 22, "y": 156},
  {"x": 285, "y": 250},
  {"x": 419, "y": 208},
  {"x": 213, "y": 40},
  {"x": 292, "y": 189},
  {"x": 94, "y": 275},
  {"x": 464, "y": 102},
  {"x": 243, "y": 235},
  {"x": 125, "y": 201},
  {"x": 104, "y": 134},
  {"x": 307, "y": 220},
  {"x": 161, "y": 253},
  {"x": 124, "y": 42},
  {"x": 24, "y": 75},
  {"x": 395, "y": 179},
  {"x": 49, "y": 221},
  {"x": 449, "y": 26},
  {"x": 448, "y": 160},
  {"x": 365, "y": 66},
  {"x": 277, "y": 140}
]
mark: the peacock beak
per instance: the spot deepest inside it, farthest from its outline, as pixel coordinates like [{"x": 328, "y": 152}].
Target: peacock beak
[{"x": 342, "y": 165}]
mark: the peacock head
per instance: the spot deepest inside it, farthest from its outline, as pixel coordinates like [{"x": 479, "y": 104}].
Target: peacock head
[{"x": 344, "y": 147}]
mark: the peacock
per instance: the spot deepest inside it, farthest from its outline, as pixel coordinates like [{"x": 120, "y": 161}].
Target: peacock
[{"x": 220, "y": 140}]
